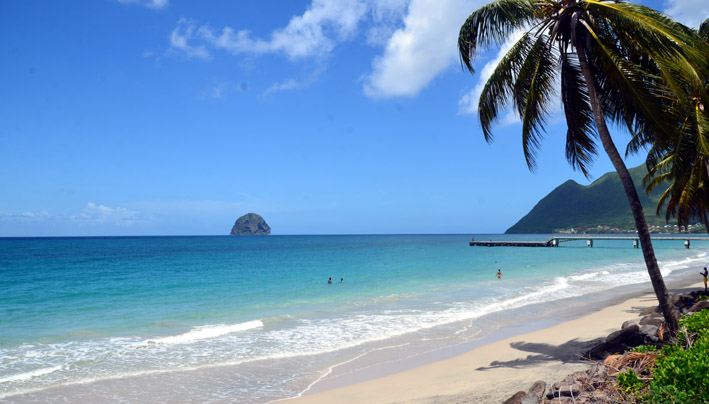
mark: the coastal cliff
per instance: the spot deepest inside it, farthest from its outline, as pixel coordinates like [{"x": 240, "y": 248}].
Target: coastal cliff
[{"x": 250, "y": 224}]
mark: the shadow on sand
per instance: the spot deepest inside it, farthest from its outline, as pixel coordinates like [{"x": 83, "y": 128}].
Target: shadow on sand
[{"x": 568, "y": 352}]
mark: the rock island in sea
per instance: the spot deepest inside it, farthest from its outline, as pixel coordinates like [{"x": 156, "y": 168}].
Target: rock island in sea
[{"x": 250, "y": 224}]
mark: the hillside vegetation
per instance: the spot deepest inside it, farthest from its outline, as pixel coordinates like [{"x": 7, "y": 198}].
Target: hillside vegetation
[{"x": 574, "y": 207}]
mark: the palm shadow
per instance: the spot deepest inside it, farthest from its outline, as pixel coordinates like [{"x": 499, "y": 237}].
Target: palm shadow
[{"x": 568, "y": 352}]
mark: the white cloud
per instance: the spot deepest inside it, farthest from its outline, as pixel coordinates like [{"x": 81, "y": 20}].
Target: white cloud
[
  {"x": 689, "y": 12},
  {"x": 182, "y": 34},
  {"x": 418, "y": 38},
  {"x": 293, "y": 84},
  {"x": 387, "y": 17},
  {"x": 422, "y": 49},
  {"x": 26, "y": 217},
  {"x": 290, "y": 84},
  {"x": 154, "y": 4},
  {"x": 102, "y": 214},
  {"x": 312, "y": 34},
  {"x": 92, "y": 214}
]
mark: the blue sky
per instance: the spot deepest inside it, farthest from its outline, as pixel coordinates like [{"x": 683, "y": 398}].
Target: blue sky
[{"x": 167, "y": 117}]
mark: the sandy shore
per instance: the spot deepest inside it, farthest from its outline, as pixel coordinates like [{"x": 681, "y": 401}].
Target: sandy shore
[{"x": 493, "y": 372}]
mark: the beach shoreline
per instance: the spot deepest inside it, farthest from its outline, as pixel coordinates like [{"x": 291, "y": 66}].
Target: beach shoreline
[
  {"x": 495, "y": 370},
  {"x": 406, "y": 303}
]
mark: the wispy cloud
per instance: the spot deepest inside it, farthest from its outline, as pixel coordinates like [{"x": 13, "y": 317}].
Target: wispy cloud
[
  {"x": 101, "y": 214},
  {"x": 27, "y": 217},
  {"x": 417, "y": 36},
  {"x": 296, "y": 84},
  {"x": 92, "y": 214},
  {"x": 154, "y": 4},
  {"x": 184, "y": 33},
  {"x": 312, "y": 34},
  {"x": 688, "y": 12}
]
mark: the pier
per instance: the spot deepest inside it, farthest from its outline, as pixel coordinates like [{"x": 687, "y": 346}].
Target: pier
[{"x": 555, "y": 241}]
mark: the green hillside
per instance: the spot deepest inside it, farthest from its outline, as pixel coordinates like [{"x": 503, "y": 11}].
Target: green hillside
[{"x": 584, "y": 208}]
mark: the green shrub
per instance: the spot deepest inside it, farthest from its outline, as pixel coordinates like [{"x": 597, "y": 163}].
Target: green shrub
[
  {"x": 697, "y": 322},
  {"x": 644, "y": 349},
  {"x": 682, "y": 376},
  {"x": 630, "y": 382}
]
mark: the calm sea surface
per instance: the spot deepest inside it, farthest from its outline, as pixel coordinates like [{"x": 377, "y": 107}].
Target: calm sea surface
[{"x": 253, "y": 319}]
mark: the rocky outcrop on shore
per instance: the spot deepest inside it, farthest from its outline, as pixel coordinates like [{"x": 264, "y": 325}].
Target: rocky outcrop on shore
[
  {"x": 598, "y": 384},
  {"x": 250, "y": 224}
]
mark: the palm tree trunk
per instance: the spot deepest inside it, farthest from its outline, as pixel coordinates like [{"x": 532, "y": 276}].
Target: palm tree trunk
[{"x": 653, "y": 269}]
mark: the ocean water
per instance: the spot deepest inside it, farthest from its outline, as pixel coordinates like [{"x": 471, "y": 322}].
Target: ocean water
[{"x": 254, "y": 320}]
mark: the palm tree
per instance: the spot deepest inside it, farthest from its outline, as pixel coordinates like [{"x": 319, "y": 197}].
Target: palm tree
[
  {"x": 684, "y": 165},
  {"x": 683, "y": 162},
  {"x": 602, "y": 53}
]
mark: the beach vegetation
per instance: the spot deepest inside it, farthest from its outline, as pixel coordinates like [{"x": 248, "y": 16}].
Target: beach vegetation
[
  {"x": 630, "y": 383},
  {"x": 610, "y": 61},
  {"x": 645, "y": 349},
  {"x": 679, "y": 371},
  {"x": 680, "y": 375}
]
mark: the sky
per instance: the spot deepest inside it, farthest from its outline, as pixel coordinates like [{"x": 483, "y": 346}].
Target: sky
[{"x": 174, "y": 117}]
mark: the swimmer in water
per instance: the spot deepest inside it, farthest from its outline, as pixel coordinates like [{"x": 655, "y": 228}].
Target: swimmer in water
[{"x": 499, "y": 274}]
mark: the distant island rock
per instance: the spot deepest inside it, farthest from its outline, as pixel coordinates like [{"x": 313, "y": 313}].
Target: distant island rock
[{"x": 250, "y": 224}]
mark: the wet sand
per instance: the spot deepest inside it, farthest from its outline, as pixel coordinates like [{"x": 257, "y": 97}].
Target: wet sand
[{"x": 493, "y": 372}]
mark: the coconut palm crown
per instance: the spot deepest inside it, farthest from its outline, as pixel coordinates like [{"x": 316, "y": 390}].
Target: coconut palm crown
[
  {"x": 613, "y": 62},
  {"x": 683, "y": 162}
]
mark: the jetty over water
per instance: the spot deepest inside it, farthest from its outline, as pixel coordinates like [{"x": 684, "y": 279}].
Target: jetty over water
[{"x": 555, "y": 241}]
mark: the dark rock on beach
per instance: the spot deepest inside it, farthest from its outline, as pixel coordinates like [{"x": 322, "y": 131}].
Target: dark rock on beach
[
  {"x": 516, "y": 398},
  {"x": 535, "y": 393},
  {"x": 250, "y": 224},
  {"x": 532, "y": 396}
]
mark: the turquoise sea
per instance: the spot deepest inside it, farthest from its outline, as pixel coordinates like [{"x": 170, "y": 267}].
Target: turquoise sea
[{"x": 254, "y": 320}]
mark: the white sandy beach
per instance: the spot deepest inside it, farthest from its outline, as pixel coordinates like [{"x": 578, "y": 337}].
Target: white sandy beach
[{"x": 493, "y": 372}]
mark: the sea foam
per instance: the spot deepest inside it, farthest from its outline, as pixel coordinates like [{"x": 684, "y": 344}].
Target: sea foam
[
  {"x": 29, "y": 375},
  {"x": 206, "y": 332}
]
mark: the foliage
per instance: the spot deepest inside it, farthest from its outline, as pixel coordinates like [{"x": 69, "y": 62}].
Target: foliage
[
  {"x": 630, "y": 382},
  {"x": 644, "y": 349},
  {"x": 682, "y": 160},
  {"x": 702, "y": 298},
  {"x": 697, "y": 323},
  {"x": 680, "y": 375}
]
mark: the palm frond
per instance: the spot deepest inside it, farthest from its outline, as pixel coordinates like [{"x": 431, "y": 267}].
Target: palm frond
[
  {"x": 498, "y": 88},
  {"x": 703, "y": 32},
  {"x": 580, "y": 147},
  {"x": 655, "y": 33},
  {"x": 532, "y": 93},
  {"x": 492, "y": 24},
  {"x": 629, "y": 95}
]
